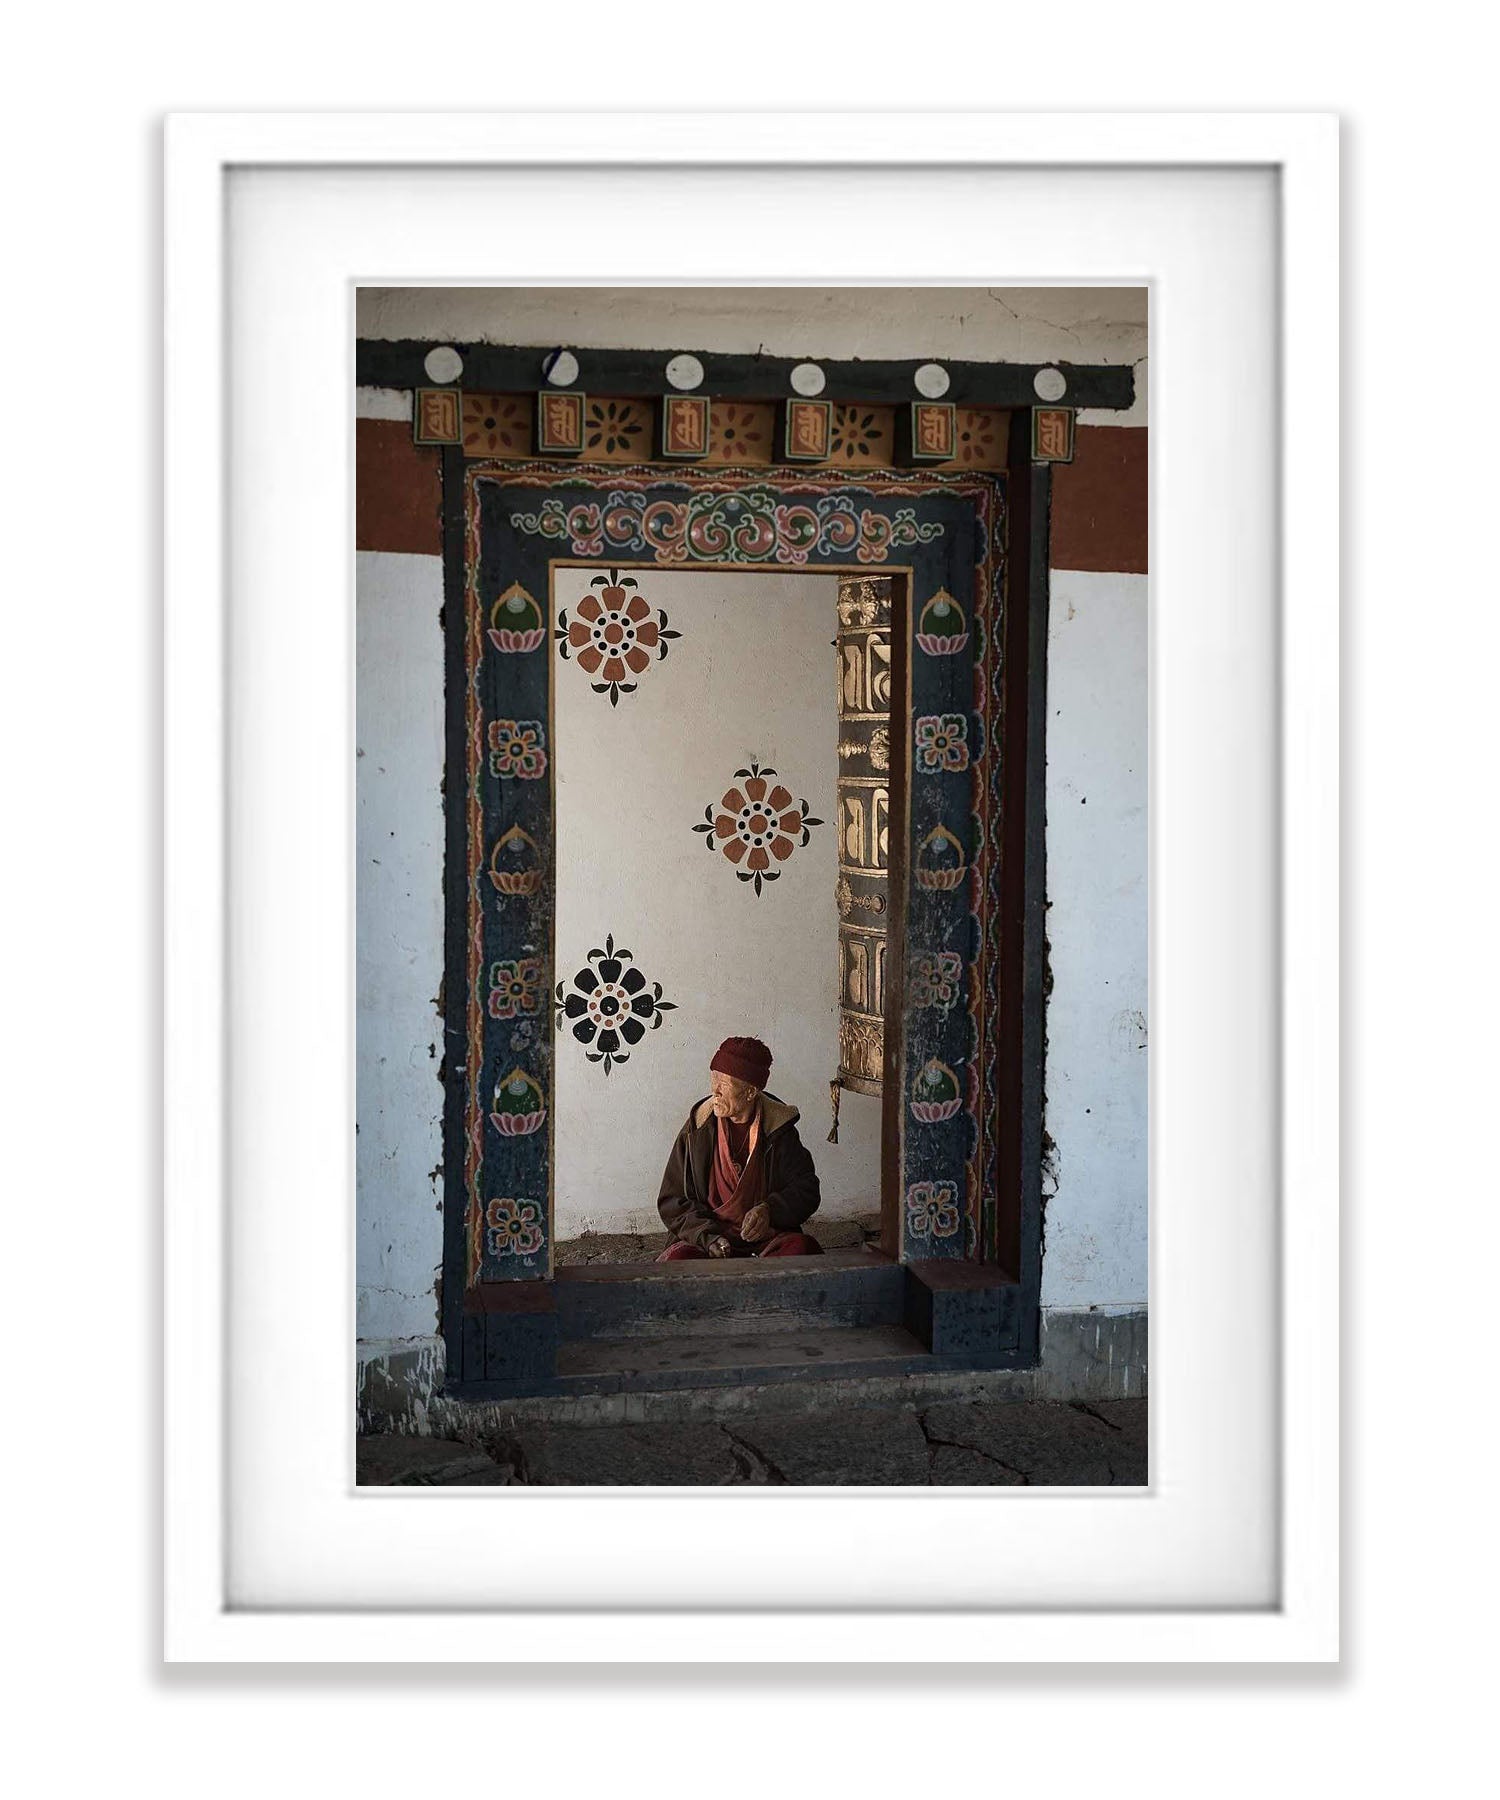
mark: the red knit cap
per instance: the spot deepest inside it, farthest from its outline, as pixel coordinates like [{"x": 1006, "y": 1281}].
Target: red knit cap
[{"x": 746, "y": 1059}]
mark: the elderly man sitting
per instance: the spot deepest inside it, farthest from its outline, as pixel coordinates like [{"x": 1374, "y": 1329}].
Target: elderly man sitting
[{"x": 739, "y": 1181}]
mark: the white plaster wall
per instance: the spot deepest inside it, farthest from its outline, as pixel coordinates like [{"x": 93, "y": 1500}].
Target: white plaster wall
[
  {"x": 1063, "y": 324},
  {"x": 398, "y": 941},
  {"x": 751, "y": 678},
  {"x": 1096, "y": 881}
]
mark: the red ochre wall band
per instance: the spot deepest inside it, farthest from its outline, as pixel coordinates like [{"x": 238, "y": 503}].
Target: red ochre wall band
[
  {"x": 398, "y": 490},
  {"x": 1098, "y": 500}
]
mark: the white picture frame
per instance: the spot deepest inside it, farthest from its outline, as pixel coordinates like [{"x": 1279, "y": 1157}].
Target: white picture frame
[{"x": 253, "y": 1571}]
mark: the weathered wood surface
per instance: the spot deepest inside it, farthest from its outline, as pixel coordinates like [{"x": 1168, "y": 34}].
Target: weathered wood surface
[{"x": 399, "y": 363}]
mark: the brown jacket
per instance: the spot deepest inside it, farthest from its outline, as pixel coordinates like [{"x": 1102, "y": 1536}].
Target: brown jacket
[{"x": 791, "y": 1180}]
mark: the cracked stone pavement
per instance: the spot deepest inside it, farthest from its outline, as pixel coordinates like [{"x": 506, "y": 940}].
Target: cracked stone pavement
[{"x": 949, "y": 1444}]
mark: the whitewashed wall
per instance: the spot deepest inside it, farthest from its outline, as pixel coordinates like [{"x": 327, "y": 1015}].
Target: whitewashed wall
[
  {"x": 750, "y": 679},
  {"x": 1096, "y": 880},
  {"x": 1097, "y": 1018},
  {"x": 398, "y": 941}
]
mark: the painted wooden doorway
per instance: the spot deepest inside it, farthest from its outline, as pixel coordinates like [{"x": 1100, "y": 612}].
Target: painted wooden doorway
[{"x": 944, "y": 536}]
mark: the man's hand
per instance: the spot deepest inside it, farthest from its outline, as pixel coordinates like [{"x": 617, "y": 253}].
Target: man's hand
[
  {"x": 720, "y": 1246},
  {"x": 756, "y": 1224}
]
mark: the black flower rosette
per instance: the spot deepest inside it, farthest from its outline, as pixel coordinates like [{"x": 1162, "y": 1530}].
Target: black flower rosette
[{"x": 610, "y": 1005}]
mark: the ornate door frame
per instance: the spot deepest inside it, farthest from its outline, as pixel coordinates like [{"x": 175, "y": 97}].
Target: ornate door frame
[{"x": 508, "y": 525}]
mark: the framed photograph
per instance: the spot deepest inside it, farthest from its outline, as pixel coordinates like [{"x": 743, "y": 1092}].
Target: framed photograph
[{"x": 752, "y": 888}]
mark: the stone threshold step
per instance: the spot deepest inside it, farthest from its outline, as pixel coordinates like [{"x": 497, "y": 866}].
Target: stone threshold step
[
  {"x": 477, "y": 1408},
  {"x": 683, "y": 1360},
  {"x": 849, "y": 1289}
]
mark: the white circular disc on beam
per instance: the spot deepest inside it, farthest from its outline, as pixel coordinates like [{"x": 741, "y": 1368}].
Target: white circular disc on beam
[
  {"x": 443, "y": 364},
  {"x": 685, "y": 372},
  {"x": 561, "y": 368}
]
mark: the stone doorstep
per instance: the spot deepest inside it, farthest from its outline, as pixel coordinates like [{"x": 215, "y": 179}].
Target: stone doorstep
[
  {"x": 851, "y": 1314},
  {"x": 697, "y": 1359},
  {"x": 843, "y": 1288},
  {"x": 1089, "y": 1356},
  {"x": 808, "y": 1394}
]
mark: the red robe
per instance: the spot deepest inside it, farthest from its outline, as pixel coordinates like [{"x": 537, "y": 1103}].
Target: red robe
[
  {"x": 736, "y": 1176},
  {"x": 736, "y": 1183}
]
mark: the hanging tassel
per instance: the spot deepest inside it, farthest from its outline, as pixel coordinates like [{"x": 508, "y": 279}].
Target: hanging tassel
[{"x": 835, "y": 1088}]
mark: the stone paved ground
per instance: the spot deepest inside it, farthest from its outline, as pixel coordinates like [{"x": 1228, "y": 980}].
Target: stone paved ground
[{"x": 995, "y": 1443}]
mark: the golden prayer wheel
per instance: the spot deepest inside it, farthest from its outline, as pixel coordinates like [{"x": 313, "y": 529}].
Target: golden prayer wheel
[{"x": 863, "y": 889}]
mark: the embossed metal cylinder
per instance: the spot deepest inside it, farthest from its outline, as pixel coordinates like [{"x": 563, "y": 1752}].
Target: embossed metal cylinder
[{"x": 863, "y": 890}]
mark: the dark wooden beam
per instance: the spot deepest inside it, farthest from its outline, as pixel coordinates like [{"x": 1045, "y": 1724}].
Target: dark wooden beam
[{"x": 501, "y": 369}]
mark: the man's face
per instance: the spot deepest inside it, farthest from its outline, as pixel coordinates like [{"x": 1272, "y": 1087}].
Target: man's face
[{"x": 732, "y": 1099}]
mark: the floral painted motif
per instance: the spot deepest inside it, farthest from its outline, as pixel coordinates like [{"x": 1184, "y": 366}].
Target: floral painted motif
[
  {"x": 941, "y": 627},
  {"x": 977, "y": 443},
  {"x": 757, "y": 825},
  {"x": 517, "y": 748},
  {"x": 750, "y": 525},
  {"x": 516, "y": 621},
  {"x": 935, "y": 980},
  {"x": 494, "y": 424},
  {"x": 615, "y": 635},
  {"x": 740, "y": 433},
  {"x": 932, "y": 1209},
  {"x": 942, "y": 743},
  {"x": 861, "y": 434},
  {"x": 610, "y": 1005},
  {"x": 513, "y": 1227},
  {"x": 935, "y": 1094},
  {"x": 616, "y": 425},
  {"x": 519, "y": 1107},
  {"x": 515, "y": 987}
]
